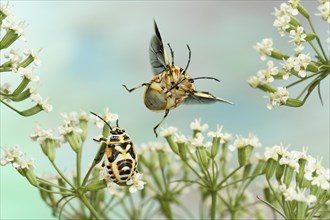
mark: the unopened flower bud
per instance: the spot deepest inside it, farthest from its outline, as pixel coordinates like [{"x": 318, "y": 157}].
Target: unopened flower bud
[
  {"x": 72, "y": 139},
  {"x": 303, "y": 11},
  {"x": 96, "y": 185},
  {"x": 270, "y": 168},
  {"x": 10, "y": 37},
  {"x": 215, "y": 146},
  {"x": 288, "y": 174},
  {"x": 244, "y": 154},
  {"x": 294, "y": 102},
  {"x": 278, "y": 55},
  {"x": 172, "y": 144},
  {"x": 182, "y": 150},
  {"x": 30, "y": 175},
  {"x": 204, "y": 159}
]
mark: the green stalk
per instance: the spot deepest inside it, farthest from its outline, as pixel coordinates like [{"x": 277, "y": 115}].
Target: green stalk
[
  {"x": 317, "y": 39},
  {"x": 214, "y": 204},
  {"x": 61, "y": 174},
  {"x": 78, "y": 160},
  {"x": 85, "y": 201}
]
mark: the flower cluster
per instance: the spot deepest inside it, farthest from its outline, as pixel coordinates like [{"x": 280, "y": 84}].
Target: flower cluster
[
  {"x": 25, "y": 167},
  {"x": 302, "y": 182},
  {"x": 19, "y": 63},
  {"x": 300, "y": 67}
]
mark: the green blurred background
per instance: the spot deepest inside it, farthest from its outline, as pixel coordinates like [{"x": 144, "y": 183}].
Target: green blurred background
[{"x": 91, "y": 48}]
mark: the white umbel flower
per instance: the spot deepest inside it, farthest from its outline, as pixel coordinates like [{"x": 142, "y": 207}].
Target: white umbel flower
[
  {"x": 136, "y": 183},
  {"x": 264, "y": 48},
  {"x": 278, "y": 98}
]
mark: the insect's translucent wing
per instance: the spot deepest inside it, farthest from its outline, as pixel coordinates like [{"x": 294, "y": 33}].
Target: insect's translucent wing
[
  {"x": 203, "y": 98},
  {"x": 157, "y": 54}
]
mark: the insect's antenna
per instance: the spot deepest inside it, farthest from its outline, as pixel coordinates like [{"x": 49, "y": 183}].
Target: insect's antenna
[
  {"x": 206, "y": 77},
  {"x": 188, "y": 60},
  {"x": 102, "y": 119},
  {"x": 117, "y": 123}
]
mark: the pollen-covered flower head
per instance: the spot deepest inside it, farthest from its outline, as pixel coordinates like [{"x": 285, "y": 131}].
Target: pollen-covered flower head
[
  {"x": 197, "y": 126},
  {"x": 278, "y": 98},
  {"x": 324, "y": 10},
  {"x": 198, "y": 141},
  {"x": 136, "y": 183},
  {"x": 241, "y": 142},
  {"x": 108, "y": 117},
  {"x": 10, "y": 154},
  {"x": 167, "y": 131},
  {"x": 40, "y": 134},
  {"x": 267, "y": 75},
  {"x": 43, "y": 103},
  {"x": 264, "y": 48}
]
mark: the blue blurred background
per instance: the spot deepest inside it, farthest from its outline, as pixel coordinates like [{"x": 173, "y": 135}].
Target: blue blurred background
[{"x": 91, "y": 48}]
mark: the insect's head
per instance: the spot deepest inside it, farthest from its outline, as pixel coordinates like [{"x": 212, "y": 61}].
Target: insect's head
[{"x": 117, "y": 130}]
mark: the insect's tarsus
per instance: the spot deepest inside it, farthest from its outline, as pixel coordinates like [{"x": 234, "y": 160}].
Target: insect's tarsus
[
  {"x": 102, "y": 119},
  {"x": 155, "y": 128},
  {"x": 132, "y": 89},
  {"x": 188, "y": 60}
]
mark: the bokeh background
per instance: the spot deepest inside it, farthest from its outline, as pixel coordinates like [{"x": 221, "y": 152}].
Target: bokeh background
[{"x": 91, "y": 48}]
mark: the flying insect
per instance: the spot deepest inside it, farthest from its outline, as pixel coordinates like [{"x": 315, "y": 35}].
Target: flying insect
[{"x": 171, "y": 85}]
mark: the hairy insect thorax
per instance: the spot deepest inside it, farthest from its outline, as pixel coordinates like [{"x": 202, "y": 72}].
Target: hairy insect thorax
[
  {"x": 121, "y": 160},
  {"x": 168, "y": 89}
]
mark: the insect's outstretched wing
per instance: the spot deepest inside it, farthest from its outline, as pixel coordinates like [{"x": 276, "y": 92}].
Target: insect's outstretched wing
[
  {"x": 157, "y": 54},
  {"x": 200, "y": 97}
]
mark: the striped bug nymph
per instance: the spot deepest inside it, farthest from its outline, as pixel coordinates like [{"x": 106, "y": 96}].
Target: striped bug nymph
[{"x": 120, "y": 156}]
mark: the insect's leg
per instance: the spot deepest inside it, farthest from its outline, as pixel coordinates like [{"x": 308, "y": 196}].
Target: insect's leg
[
  {"x": 204, "y": 77},
  {"x": 132, "y": 89},
  {"x": 172, "y": 53},
  {"x": 188, "y": 60},
  {"x": 100, "y": 139},
  {"x": 155, "y": 128},
  {"x": 207, "y": 95}
]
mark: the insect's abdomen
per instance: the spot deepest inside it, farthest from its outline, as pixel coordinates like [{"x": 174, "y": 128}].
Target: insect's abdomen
[
  {"x": 155, "y": 99},
  {"x": 121, "y": 162}
]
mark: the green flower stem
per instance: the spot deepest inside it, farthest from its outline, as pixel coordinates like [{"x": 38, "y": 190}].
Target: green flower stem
[
  {"x": 9, "y": 106},
  {"x": 78, "y": 162},
  {"x": 62, "y": 208},
  {"x": 87, "y": 175},
  {"x": 310, "y": 87},
  {"x": 274, "y": 192},
  {"x": 317, "y": 39},
  {"x": 61, "y": 174},
  {"x": 273, "y": 207},
  {"x": 191, "y": 168},
  {"x": 32, "y": 111},
  {"x": 53, "y": 185},
  {"x": 203, "y": 165},
  {"x": 317, "y": 51},
  {"x": 229, "y": 175},
  {"x": 214, "y": 204},
  {"x": 21, "y": 96},
  {"x": 166, "y": 185},
  {"x": 85, "y": 201},
  {"x": 301, "y": 80},
  {"x": 53, "y": 192},
  {"x": 223, "y": 164},
  {"x": 21, "y": 86},
  {"x": 239, "y": 180}
]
